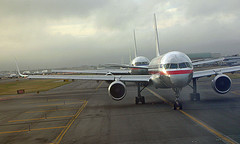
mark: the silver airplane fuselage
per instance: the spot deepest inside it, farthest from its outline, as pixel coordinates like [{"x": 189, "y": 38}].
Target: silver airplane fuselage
[
  {"x": 139, "y": 61},
  {"x": 171, "y": 70}
]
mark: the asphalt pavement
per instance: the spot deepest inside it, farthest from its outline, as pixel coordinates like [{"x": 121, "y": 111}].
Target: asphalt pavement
[{"x": 82, "y": 112}]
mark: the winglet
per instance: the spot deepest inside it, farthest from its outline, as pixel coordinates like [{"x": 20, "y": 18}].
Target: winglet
[
  {"x": 157, "y": 39},
  {"x": 21, "y": 75}
]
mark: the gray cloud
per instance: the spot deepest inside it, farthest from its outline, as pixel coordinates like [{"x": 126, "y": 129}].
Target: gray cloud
[
  {"x": 53, "y": 9},
  {"x": 206, "y": 8}
]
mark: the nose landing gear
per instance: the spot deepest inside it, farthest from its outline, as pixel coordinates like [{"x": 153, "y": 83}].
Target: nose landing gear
[{"x": 177, "y": 104}]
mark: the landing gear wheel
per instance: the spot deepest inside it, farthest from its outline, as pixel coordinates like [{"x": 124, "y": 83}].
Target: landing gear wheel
[
  {"x": 177, "y": 105},
  {"x": 136, "y": 100},
  {"x": 143, "y": 100},
  {"x": 180, "y": 106},
  {"x": 195, "y": 97},
  {"x": 198, "y": 98},
  {"x": 140, "y": 99}
]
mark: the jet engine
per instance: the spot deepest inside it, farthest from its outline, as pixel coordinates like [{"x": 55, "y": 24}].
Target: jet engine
[
  {"x": 221, "y": 84},
  {"x": 117, "y": 90}
]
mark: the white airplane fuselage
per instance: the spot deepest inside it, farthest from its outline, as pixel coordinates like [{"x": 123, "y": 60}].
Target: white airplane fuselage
[{"x": 171, "y": 70}]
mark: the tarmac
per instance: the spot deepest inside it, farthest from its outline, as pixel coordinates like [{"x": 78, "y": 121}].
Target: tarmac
[{"x": 83, "y": 113}]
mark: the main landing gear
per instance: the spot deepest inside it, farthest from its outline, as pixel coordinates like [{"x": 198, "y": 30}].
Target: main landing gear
[
  {"x": 140, "y": 98},
  {"x": 194, "y": 96},
  {"x": 177, "y": 104}
]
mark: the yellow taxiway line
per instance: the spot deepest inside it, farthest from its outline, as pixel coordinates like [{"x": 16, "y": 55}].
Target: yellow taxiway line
[
  {"x": 211, "y": 130},
  {"x": 160, "y": 97},
  {"x": 236, "y": 92},
  {"x": 51, "y": 110},
  {"x": 59, "y": 104},
  {"x": 99, "y": 85},
  {"x": 43, "y": 101},
  {"x": 40, "y": 118},
  {"x": 63, "y": 132},
  {"x": 7, "y": 132}
]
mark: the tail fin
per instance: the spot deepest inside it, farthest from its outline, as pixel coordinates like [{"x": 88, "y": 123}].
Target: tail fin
[
  {"x": 157, "y": 39},
  {"x": 135, "y": 43},
  {"x": 21, "y": 75},
  {"x": 130, "y": 55}
]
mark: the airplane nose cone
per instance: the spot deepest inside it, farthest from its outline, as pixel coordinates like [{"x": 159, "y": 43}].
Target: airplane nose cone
[{"x": 180, "y": 80}]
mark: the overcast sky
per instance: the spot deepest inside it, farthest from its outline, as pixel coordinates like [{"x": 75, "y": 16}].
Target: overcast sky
[{"x": 60, "y": 33}]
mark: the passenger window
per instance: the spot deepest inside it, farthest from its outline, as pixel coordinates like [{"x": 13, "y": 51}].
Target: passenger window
[
  {"x": 173, "y": 66},
  {"x": 182, "y": 65}
]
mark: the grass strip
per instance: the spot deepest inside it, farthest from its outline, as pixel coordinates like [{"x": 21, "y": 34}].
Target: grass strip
[{"x": 30, "y": 86}]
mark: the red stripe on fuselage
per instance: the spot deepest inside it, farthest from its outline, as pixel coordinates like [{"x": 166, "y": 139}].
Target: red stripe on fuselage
[
  {"x": 171, "y": 72},
  {"x": 135, "y": 68}
]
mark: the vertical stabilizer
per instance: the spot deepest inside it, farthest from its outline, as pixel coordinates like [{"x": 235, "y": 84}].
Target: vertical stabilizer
[
  {"x": 21, "y": 75},
  {"x": 135, "y": 43},
  {"x": 157, "y": 39},
  {"x": 130, "y": 55}
]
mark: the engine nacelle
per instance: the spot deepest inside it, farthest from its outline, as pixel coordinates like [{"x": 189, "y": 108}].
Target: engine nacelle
[
  {"x": 221, "y": 84},
  {"x": 109, "y": 74},
  {"x": 117, "y": 90}
]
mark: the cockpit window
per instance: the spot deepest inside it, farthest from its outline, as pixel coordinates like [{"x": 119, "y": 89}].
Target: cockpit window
[
  {"x": 166, "y": 66},
  {"x": 173, "y": 66},
  {"x": 188, "y": 65},
  {"x": 146, "y": 63},
  {"x": 176, "y": 65},
  {"x": 141, "y": 63},
  {"x": 182, "y": 65}
]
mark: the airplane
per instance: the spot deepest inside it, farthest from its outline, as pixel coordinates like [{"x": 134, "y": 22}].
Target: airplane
[
  {"x": 137, "y": 61},
  {"x": 12, "y": 76},
  {"x": 173, "y": 70},
  {"x": 18, "y": 70}
]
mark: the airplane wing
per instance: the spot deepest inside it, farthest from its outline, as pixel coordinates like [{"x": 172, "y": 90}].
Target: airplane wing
[
  {"x": 205, "y": 73},
  {"x": 103, "y": 71},
  {"x": 207, "y": 61},
  {"x": 124, "y": 78}
]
